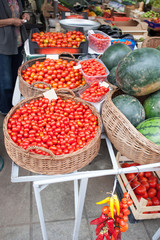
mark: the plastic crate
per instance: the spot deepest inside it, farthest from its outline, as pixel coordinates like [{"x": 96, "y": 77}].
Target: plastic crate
[
  {"x": 35, "y": 49},
  {"x": 97, "y": 44},
  {"x": 155, "y": 26},
  {"x": 89, "y": 98},
  {"x": 91, "y": 79}
]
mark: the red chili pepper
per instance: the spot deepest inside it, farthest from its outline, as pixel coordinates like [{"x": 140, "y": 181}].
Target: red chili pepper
[
  {"x": 107, "y": 235},
  {"x": 110, "y": 223},
  {"x": 99, "y": 227},
  {"x": 95, "y": 221},
  {"x": 100, "y": 236},
  {"x": 99, "y": 220}
]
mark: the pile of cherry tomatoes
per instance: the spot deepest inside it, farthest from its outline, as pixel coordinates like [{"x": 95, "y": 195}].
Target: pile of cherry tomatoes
[
  {"x": 95, "y": 92},
  {"x": 57, "y": 39},
  {"x": 98, "y": 42},
  {"x": 146, "y": 185},
  {"x": 63, "y": 126},
  {"x": 93, "y": 70},
  {"x": 57, "y": 73}
]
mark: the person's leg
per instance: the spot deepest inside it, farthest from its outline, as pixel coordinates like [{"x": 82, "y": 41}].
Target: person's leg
[
  {"x": 16, "y": 62},
  {"x": 6, "y": 84}
]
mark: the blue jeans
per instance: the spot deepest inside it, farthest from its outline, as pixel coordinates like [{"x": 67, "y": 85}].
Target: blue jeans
[{"x": 9, "y": 65}]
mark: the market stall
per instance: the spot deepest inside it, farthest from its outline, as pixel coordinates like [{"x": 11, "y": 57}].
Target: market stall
[{"x": 81, "y": 81}]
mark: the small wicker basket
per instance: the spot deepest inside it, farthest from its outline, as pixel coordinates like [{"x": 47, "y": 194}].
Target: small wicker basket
[
  {"x": 124, "y": 136},
  {"x": 52, "y": 164},
  {"x": 28, "y": 90},
  {"x": 151, "y": 42}
]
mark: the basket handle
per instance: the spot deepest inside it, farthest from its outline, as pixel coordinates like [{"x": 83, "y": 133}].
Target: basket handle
[
  {"x": 48, "y": 85},
  {"x": 65, "y": 90},
  {"x": 67, "y": 53},
  {"x": 41, "y": 148}
]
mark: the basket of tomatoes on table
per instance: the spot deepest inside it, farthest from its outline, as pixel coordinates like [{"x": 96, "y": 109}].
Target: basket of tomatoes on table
[
  {"x": 39, "y": 75},
  {"x": 54, "y": 136}
]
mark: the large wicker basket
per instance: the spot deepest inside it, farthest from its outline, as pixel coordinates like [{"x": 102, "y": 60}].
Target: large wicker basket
[
  {"x": 124, "y": 136},
  {"x": 52, "y": 164},
  {"x": 151, "y": 42},
  {"x": 28, "y": 90}
]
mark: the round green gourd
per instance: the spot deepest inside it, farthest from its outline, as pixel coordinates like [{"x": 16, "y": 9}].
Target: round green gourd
[
  {"x": 152, "y": 105},
  {"x": 130, "y": 107},
  {"x": 138, "y": 73},
  {"x": 113, "y": 54},
  {"x": 112, "y": 77},
  {"x": 150, "y": 128}
]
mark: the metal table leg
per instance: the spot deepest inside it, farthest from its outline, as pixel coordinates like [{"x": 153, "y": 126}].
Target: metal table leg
[
  {"x": 37, "y": 190},
  {"x": 156, "y": 236},
  {"x": 79, "y": 207}
]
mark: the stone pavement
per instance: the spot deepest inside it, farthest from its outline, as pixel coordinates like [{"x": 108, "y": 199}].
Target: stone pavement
[{"x": 18, "y": 212}]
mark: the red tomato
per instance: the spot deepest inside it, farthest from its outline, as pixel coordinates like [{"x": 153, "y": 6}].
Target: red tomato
[
  {"x": 126, "y": 211},
  {"x": 142, "y": 179},
  {"x": 153, "y": 178},
  {"x": 139, "y": 197},
  {"x": 135, "y": 183},
  {"x": 149, "y": 203},
  {"x": 158, "y": 186},
  {"x": 148, "y": 174},
  {"x": 152, "y": 192},
  {"x": 152, "y": 182},
  {"x": 145, "y": 195},
  {"x": 155, "y": 201},
  {"x": 130, "y": 176},
  {"x": 158, "y": 194},
  {"x": 140, "y": 190},
  {"x": 124, "y": 165},
  {"x": 146, "y": 184}
]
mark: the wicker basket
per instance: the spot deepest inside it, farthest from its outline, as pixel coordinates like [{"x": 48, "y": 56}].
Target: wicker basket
[
  {"x": 151, "y": 42},
  {"x": 52, "y": 164},
  {"x": 28, "y": 90},
  {"x": 124, "y": 136}
]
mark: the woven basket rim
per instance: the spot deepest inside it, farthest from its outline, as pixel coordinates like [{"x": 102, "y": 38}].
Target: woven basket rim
[
  {"x": 56, "y": 157},
  {"x": 139, "y": 136},
  {"x": 147, "y": 39}
]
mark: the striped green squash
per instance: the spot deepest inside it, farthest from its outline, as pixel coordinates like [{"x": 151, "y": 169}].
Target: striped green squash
[{"x": 150, "y": 128}]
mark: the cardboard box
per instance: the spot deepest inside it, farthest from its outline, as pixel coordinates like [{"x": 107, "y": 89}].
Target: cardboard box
[{"x": 133, "y": 26}]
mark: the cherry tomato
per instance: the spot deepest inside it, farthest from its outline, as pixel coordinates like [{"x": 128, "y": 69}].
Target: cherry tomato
[
  {"x": 124, "y": 228},
  {"x": 105, "y": 209}
]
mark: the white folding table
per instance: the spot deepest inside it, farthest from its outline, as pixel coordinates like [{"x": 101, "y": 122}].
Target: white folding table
[{"x": 40, "y": 182}]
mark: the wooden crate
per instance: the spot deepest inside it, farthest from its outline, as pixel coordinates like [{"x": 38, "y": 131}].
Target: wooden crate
[{"x": 138, "y": 208}]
